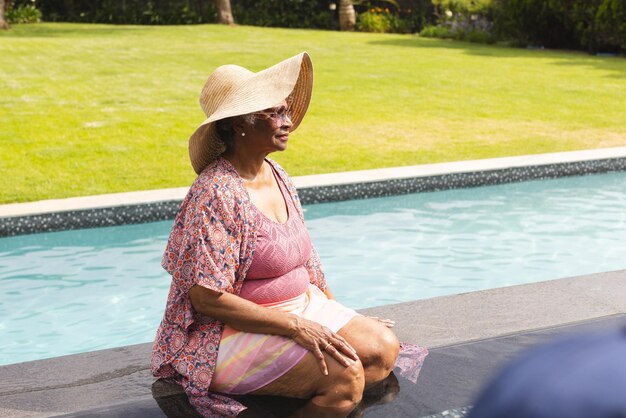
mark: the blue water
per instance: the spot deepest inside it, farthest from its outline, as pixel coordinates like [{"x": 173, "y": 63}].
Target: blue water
[{"x": 74, "y": 291}]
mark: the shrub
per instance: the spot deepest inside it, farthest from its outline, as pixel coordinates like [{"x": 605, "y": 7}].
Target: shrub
[
  {"x": 611, "y": 23},
  {"x": 141, "y": 12},
  {"x": 285, "y": 13},
  {"x": 381, "y": 21},
  {"x": 533, "y": 22},
  {"x": 27, "y": 13},
  {"x": 575, "y": 24},
  {"x": 373, "y": 22},
  {"x": 416, "y": 14},
  {"x": 464, "y": 20},
  {"x": 479, "y": 36},
  {"x": 432, "y": 31}
]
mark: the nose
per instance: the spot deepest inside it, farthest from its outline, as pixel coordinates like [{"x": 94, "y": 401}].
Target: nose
[{"x": 286, "y": 119}]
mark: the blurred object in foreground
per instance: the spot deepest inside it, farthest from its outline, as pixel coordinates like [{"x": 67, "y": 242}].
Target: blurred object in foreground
[{"x": 581, "y": 376}]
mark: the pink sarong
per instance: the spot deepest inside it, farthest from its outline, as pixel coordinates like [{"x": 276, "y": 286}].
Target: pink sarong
[{"x": 248, "y": 361}]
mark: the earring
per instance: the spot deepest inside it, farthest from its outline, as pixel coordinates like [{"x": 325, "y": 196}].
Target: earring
[{"x": 243, "y": 134}]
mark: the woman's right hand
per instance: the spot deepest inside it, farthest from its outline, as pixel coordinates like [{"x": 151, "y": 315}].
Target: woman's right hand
[{"x": 317, "y": 338}]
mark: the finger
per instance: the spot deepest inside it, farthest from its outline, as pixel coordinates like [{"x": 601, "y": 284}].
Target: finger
[
  {"x": 388, "y": 323},
  {"x": 336, "y": 354},
  {"x": 321, "y": 360},
  {"x": 340, "y": 344}
]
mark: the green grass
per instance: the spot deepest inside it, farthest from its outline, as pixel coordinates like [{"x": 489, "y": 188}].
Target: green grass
[{"x": 89, "y": 109}]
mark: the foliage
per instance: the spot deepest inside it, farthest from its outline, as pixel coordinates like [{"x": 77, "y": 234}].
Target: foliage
[
  {"x": 151, "y": 12},
  {"x": 380, "y": 20},
  {"x": 435, "y": 31},
  {"x": 23, "y": 13},
  {"x": 468, "y": 20},
  {"x": 463, "y": 6},
  {"x": 594, "y": 25},
  {"x": 479, "y": 36},
  {"x": 533, "y": 22},
  {"x": 611, "y": 23},
  {"x": 285, "y": 13},
  {"x": 408, "y": 15}
]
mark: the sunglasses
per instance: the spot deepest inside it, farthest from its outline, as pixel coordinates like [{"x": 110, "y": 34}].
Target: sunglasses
[{"x": 278, "y": 115}]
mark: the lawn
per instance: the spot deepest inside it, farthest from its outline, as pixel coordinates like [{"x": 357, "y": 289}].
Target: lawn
[{"x": 89, "y": 109}]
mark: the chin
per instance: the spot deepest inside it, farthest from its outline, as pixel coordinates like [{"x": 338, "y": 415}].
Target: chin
[{"x": 281, "y": 146}]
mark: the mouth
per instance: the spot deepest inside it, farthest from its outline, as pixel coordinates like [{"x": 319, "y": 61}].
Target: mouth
[{"x": 283, "y": 137}]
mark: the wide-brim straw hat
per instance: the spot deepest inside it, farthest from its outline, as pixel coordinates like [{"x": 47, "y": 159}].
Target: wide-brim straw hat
[{"x": 232, "y": 90}]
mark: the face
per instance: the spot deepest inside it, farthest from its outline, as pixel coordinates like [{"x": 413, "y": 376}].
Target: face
[{"x": 270, "y": 131}]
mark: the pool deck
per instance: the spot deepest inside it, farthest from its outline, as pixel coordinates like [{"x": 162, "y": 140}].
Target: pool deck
[{"x": 469, "y": 335}]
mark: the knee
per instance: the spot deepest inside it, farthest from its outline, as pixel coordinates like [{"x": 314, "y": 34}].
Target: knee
[
  {"x": 349, "y": 385},
  {"x": 382, "y": 351}
]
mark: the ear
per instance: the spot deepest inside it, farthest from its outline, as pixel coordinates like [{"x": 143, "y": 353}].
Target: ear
[{"x": 238, "y": 126}]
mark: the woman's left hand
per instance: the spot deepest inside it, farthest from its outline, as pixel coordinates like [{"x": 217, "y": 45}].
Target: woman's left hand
[
  {"x": 319, "y": 339},
  {"x": 389, "y": 323}
]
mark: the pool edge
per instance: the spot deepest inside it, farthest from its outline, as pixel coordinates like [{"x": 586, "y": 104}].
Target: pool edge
[{"x": 156, "y": 205}]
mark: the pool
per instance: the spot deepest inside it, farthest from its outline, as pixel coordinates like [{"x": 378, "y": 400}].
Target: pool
[{"x": 82, "y": 290}]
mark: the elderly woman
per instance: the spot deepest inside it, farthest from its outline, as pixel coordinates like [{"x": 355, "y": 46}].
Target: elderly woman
[{"x": 249, "y": 310}]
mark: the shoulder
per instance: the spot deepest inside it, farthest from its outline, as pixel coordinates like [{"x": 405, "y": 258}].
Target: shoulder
[
  {"x": 218, "y": 176},
  {"x": 218, "y": 188}
]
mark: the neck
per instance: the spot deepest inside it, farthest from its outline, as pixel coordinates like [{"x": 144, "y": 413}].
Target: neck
[{"x": 248, "y": 165}]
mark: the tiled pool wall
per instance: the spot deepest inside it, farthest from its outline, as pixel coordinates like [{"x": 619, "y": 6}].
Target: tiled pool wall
[
  {"x": 435, "y": 183},
  {"x": 89, "y": 218},
  {"x": 162, "y": 210}
]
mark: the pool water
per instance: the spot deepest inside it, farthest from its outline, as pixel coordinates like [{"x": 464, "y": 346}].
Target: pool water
[{"x": 75, "y": 291}]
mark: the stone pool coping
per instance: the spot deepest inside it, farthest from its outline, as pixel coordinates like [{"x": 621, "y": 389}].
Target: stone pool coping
[
  {"x": 108, "y": 377},
  {"x": 154, "y": 205}
]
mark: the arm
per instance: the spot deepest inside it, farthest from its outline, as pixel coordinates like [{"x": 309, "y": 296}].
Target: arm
[{"x": 247, "y": 316}]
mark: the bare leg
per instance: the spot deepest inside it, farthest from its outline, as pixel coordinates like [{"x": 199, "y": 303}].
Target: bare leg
[
  {"x": 337, "y": 394},
  {"x": 333, "y": 396},
  {"x": 376, "y": 345}
]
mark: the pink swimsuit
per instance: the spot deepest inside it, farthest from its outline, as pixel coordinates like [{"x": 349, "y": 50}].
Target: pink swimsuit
[{"x": 277, "y": 271}]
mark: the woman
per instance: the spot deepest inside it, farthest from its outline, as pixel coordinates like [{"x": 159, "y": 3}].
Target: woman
[{"x": 249, "y": 311}]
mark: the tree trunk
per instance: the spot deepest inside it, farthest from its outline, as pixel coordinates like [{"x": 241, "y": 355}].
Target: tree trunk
[
  {"x": 347, "y": 15},
  {"x": 224, "y": 12},
  {"x": 3, "y": 23}
]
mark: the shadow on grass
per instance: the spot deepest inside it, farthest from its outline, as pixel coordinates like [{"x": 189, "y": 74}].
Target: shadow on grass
[{"x": 615, "y": 65}]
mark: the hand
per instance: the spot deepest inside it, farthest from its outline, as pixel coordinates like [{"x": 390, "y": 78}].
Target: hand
[
  {"x": 317, "y": 338},
  {"x": 389, "y": 323}
]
